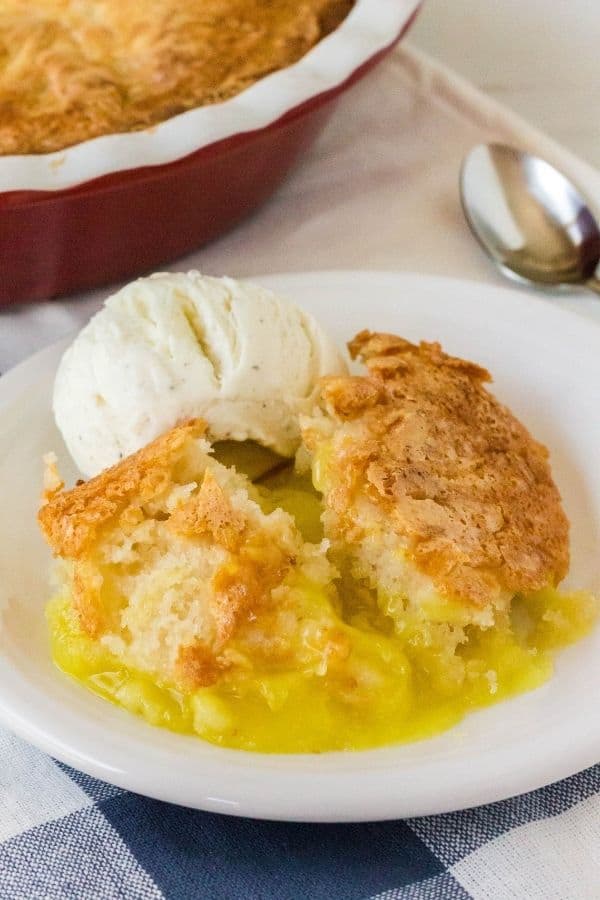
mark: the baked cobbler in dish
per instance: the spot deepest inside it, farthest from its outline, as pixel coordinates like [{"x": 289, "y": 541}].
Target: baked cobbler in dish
[{"x": 76, "y": 69}]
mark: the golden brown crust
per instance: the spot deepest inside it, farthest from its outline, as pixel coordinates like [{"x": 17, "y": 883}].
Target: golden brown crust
[
  {"x": 353, "y": 394},
  {"x": 75, "y": 70},
  {"x": 71, "y": 520},
  {"x": 204, "y": 519},
  {"x": 387, "y": 353},
  {"x": 211, "y": 512},
  {"x": 449, "y": 469},
  {"x": 245, "y": 584},
  {"x": 197, "y": 666}
]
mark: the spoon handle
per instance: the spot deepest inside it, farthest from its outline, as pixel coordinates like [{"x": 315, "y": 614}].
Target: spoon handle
[{"x": 593, "y": 284}]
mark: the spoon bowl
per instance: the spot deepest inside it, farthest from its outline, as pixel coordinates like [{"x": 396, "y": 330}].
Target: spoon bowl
[{"x": 529, "y": 218}]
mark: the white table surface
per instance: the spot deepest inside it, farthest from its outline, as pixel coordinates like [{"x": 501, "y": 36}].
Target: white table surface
[{"x": 539, "y": 57}]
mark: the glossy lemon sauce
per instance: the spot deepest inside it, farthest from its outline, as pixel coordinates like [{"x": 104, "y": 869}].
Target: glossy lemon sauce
[{"x": 415, "y": 692}]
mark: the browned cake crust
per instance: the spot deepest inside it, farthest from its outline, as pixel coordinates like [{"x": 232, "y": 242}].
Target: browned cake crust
[
  {"x": 448, "y": 468},
  {"x": 71, "y": 520},
  {"x": 241, "y": 556},
  {"x": 75, "y": 70}
]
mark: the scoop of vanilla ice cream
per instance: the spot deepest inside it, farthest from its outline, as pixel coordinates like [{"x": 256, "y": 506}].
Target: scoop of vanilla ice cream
[{"x": 175, "y": 346}]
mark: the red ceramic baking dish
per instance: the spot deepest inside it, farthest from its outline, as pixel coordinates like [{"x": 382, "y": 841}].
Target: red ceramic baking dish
[{"x": 119, "y": 205}]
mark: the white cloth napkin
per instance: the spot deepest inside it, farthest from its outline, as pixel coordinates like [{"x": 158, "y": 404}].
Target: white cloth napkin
[{"x": 379, "y": 190}]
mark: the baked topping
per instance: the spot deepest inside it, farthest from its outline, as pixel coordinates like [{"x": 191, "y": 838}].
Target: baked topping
[
  {"x": 76, "y": 69},
  {"x": 420, "y": 449}
]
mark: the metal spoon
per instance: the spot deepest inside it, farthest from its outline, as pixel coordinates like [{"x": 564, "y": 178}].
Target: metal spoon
[{"x": 529, "y": 218}]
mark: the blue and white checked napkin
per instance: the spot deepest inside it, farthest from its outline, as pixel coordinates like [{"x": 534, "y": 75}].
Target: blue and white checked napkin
[
  {"x": 66, "y": 836},
  {"x": 378, "y": 191}
]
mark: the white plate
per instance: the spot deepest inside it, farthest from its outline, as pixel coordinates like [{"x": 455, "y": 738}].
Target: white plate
[{"x": 546, "y": 364}]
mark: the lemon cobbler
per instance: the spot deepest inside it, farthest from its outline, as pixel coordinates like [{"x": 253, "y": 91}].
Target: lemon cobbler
[
  {"x": 435, "y": 497},
  {"x": 182, "y": 599},
  {"x": 404, "y": 573},
  {"x": 76, "y": 69}
]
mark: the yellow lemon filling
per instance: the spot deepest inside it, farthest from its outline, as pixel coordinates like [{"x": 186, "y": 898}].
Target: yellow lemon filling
[{"x": 391, "y": 687}]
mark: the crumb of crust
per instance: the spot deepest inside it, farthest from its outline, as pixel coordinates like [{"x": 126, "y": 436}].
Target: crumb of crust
[
  {"x": 351, "y": 395},
  {"x": 53, "y": 483},
  {"x": 445, "y": 466},
  {"x": 197, "y": 666},
  {"x": 210, "y": 512},
  {"x": 71, "y": 520},
  {"x": 85, "y": 586}
]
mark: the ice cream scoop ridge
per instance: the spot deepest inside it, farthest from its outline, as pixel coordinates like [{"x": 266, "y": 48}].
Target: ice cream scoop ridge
[{"x": 174, "y": 346}]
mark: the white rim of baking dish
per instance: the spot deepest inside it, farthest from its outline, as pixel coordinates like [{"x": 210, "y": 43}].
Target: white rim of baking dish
[{"x": 369, "y": 28}]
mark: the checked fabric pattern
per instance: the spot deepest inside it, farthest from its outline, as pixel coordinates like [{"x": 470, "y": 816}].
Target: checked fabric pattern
[{"x": 66, "y": 836}]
